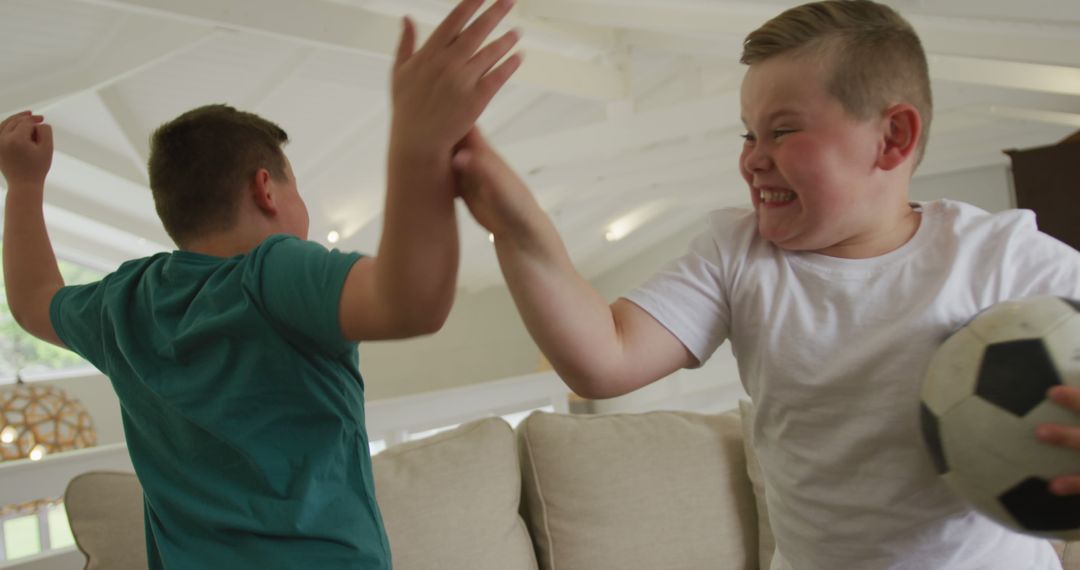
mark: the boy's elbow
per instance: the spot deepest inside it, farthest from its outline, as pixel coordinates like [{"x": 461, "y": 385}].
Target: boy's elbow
[
  {"x": 427, "y": 324},
  {"x": 20, "y": 318},
  {"x": 423, "y": 322},
  {"x": 594, "y": 392},
  {"x": 591, "y": 387}
]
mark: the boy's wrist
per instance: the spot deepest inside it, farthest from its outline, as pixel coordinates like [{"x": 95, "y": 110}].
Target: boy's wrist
[
  {"x": 25, "y": 189},
  {"x": 416, "y": 152}
]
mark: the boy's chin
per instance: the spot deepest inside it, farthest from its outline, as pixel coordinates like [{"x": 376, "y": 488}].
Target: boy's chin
[{"x": 783, "y": 239}]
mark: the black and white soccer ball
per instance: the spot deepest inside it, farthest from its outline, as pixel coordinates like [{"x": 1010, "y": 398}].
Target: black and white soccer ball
[{"x": 984, "y": 393}]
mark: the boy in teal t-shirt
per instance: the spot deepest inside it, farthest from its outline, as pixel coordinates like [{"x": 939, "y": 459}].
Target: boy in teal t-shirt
[{"x": 235, "y": 357}]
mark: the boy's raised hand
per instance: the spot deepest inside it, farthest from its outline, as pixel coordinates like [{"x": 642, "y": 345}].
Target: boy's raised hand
[
  {"x": 439, "y": 90},
  {"x": 26, "y": 149},
  {"x": 31, "y": 276},
  {"x": 1063, "y": 436},
  {"x": 495, "y": 195},
  {"x": 599, "y": 350}
]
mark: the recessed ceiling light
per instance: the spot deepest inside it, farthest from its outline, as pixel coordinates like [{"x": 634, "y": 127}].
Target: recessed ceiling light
[
  {"x": 333, "y": 237},
  {"x": 491, "y": 238}
]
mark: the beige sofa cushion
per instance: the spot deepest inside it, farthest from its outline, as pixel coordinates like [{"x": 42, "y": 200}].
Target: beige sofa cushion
[
  {"x": 105, "y": 510},
  {"x": 766, "y": 542},
  {"x": 451, "y": 501},
  {"x": 656, "y": 490}
]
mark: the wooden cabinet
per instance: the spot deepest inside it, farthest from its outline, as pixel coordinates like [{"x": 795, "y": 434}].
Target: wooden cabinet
[{"x": 1047, "y": 180}]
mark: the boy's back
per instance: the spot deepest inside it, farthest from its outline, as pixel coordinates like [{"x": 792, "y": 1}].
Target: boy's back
[{"x": 242, "y": 404}]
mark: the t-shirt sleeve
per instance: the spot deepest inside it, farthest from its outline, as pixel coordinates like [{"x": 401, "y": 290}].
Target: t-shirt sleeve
[
  {"x": 298, "y": 283},
  {"x": 76, "y": 313},
  {"x": 689, "y": 296},
  {"x": 1041, "y": 264}
]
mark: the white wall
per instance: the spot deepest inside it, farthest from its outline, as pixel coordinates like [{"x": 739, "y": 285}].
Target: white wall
[
  {"x": 989, "y": 188},
  {"x": 483, "y": 340}
]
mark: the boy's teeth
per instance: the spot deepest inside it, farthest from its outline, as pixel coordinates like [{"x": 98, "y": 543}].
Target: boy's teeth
[{"x": 776, "y": 195}]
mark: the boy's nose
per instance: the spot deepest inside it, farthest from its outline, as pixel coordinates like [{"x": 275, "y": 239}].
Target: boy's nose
[{"x": 756, "y": 159}]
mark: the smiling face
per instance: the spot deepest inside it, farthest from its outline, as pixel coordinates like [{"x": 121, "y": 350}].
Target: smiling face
[{"x": 811, "y": 166}]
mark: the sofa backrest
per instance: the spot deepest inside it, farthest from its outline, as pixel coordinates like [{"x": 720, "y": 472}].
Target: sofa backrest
[
  {"x": 105, "y": 511},
  {"x": 654, "y": 490},
  {"x": 658, "y": 490},
  {"x": 451, "y": 501}
]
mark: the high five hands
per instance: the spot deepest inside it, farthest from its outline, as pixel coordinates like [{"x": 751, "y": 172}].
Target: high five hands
[{"x": 440, "y": 89}]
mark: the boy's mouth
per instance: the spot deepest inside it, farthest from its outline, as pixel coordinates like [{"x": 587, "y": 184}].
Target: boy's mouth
[{"x": 770, "y": 196}]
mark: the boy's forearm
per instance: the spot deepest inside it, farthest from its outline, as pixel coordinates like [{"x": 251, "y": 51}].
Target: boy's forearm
[
  {"x": 418, "y": 253},
  {"x": 31, "y": 274},
  {"x": 568, "y": 319}
]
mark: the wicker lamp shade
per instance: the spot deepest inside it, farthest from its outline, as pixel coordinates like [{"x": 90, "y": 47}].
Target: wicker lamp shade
[{"x": 39, "y": 420}]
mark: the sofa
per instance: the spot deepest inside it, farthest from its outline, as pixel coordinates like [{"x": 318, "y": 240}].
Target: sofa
[{"x": 656, "y": 490}]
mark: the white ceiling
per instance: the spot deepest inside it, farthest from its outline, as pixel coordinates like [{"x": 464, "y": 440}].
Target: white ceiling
[{"x": 625, "y": 111}]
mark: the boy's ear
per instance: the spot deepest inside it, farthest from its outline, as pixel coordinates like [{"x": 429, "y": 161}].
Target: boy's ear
[
  {"x": 259, "y": 188},
  {"x": 903, "y": 130}
]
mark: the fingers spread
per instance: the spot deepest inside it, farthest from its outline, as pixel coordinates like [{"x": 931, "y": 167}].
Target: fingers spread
[
  {"x": 494, "y": 80},
  {"x": 407, "y": 43},
  {"x": 473, "y": 36},
  {"x": 484, "y": 59},
  {"x": 454, "y": 22}
]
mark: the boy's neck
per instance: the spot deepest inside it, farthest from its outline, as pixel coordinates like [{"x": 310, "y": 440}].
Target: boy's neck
[
  {"x": 226, "y": 244},
  {"x": 888, "y": 239}
]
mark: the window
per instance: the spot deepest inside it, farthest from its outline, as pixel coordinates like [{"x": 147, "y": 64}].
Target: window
[
  {"x": 22, "y": 536},
  {"x": 25, "y": 355},
  {"x": 33, "y": 529}
]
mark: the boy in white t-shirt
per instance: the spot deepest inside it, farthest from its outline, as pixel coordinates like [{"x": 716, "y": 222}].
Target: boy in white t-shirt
[{"x": 834, "y": 291}]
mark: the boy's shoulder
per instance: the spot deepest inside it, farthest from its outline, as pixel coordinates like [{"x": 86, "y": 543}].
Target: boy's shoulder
[
  {"x": 969, "y": 220},
  {"x": 1009, "y": 238},
  {"x": 288, "y": 246}
]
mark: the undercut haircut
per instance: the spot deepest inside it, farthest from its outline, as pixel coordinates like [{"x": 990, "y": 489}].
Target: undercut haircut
[{"x": 875, "y": 59}]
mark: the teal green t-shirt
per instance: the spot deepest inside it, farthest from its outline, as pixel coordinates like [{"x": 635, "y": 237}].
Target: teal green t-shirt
[{"x": 242, "y": 404}]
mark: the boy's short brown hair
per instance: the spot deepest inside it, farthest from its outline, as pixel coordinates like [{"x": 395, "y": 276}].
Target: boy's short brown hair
[
  {"x": 201, "y": 162},
  {"x": 876, "y": 56}
]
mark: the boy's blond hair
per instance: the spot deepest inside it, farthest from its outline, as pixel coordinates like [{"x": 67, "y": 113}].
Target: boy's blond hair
[{"x": 876, "y": 60}]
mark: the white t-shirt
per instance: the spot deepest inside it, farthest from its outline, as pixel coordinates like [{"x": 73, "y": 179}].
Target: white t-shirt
[{"x": 832, "y": 351}]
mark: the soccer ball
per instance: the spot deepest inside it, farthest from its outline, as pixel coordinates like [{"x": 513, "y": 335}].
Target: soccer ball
[{"x": 984, "y": 393}]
